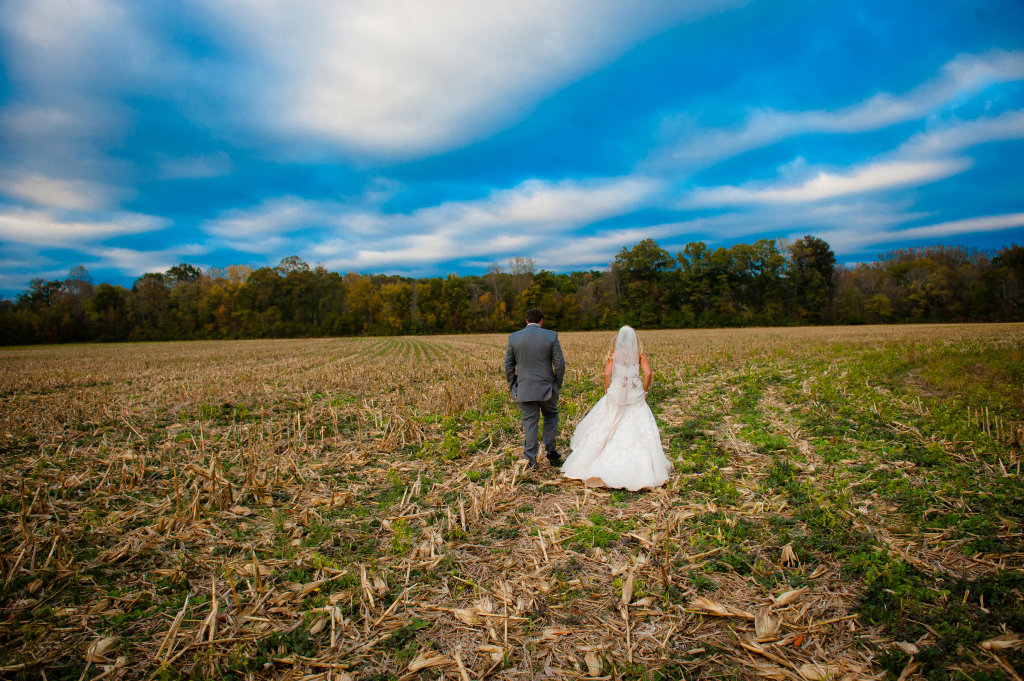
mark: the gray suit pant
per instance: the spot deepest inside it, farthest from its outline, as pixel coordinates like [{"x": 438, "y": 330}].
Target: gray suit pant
[{"x": 531, "y": 413}]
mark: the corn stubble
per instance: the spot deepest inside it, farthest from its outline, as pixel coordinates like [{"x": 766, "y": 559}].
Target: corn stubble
[{"x": 344, "y": 508}]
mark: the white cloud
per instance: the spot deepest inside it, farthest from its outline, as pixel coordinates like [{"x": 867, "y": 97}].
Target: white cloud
[
  {"x": 853, "y": 215},
  {"x": 68, "y": 64},
  {"x": 963, "y": 135},
  {"x": 824, "y": 185},
  {"x": 958, "y": 80},
  {"x": 853, "y": 240},
  {"x": 21, "y": 264},
  {"x": 195, "y": 167},
  {"x": 136, "y": 262},
  {"x": 529, "y": 217},
  {"x": 51, "y": 192},
  {"x": 267, "y": 246},
  {"x": 24, "y": 233},
  {"x": 596, "y": 251},
  {"x": 536, "y": 203},
  {"x": 508, "y": 221},
  {"x": 411, "y": 244},
  {"x": 55, "y": 157},
  {"x": 61, "y": 130},
  {"x": 553, "y": 250},
  {"x": 264, "y": 228},
  {"x": 59, "y": 42},
  {"x": 401, "y": 78},
  {"x": 922, "y": 159},
  {"x": 16, "y": 282},
  {"x": 273, "y": 217},
  {"x": 405, "y": 78},
  {"x": 44, "y": 229}
]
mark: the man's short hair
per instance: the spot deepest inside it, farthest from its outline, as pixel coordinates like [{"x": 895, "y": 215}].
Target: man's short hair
[{"x": 534, "y": 315}]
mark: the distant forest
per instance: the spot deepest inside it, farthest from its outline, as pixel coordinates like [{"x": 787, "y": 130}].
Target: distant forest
[{"x": 766, "y": 283}]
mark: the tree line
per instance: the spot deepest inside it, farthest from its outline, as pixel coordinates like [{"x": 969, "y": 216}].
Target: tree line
[{"x": 767, "y": 283}]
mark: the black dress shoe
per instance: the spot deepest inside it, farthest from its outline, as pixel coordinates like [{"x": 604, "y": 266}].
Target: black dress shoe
[
  {"x": 555, "y": 460},
  {"x": 530, "y": 465}
]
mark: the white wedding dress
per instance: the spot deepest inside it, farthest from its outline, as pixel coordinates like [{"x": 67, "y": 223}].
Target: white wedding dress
[{"x": 617, "y": 443}]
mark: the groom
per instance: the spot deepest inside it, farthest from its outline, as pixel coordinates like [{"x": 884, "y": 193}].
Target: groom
[{"x": 534, "y": 367}]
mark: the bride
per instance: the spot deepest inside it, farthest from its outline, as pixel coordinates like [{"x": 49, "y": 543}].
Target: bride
[{"x": 617, "y": 443}]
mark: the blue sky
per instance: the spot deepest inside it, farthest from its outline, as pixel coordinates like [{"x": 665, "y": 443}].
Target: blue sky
[{"x": 423, "y": 138}]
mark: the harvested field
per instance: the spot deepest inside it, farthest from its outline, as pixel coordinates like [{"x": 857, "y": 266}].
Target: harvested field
[{"x": 847, "y": 504}]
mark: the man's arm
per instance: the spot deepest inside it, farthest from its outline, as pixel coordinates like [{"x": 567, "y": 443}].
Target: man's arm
[
  {"x": 557, "y": 362},
  {"x": 510, "y": 365}
]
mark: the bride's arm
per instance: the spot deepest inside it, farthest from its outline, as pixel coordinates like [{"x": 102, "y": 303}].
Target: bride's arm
[
  {"x": 645, "y": 366},
  {"x": 608, "y": 372}
]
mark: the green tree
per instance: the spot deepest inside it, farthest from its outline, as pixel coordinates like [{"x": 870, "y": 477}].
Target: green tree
[
  {"x": 643, "y": 270},
  {"x": 396, "y": 297},
  {"x": 107, "y": 312},
  {"x": 261, "y": 297},
  {"x": 696, "y": 282},
  {"x": 183, "y": 272},
  {"x": 150, "y": 295},
  {"x": 292, "y": 263},
  {"x": 40, "y": 293},
  {"x": 1005, "y": 280},
  {"x": 811, "y": 266}
]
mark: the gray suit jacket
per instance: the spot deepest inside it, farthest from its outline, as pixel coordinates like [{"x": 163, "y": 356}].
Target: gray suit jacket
[{"x": 534, "y": 365}]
